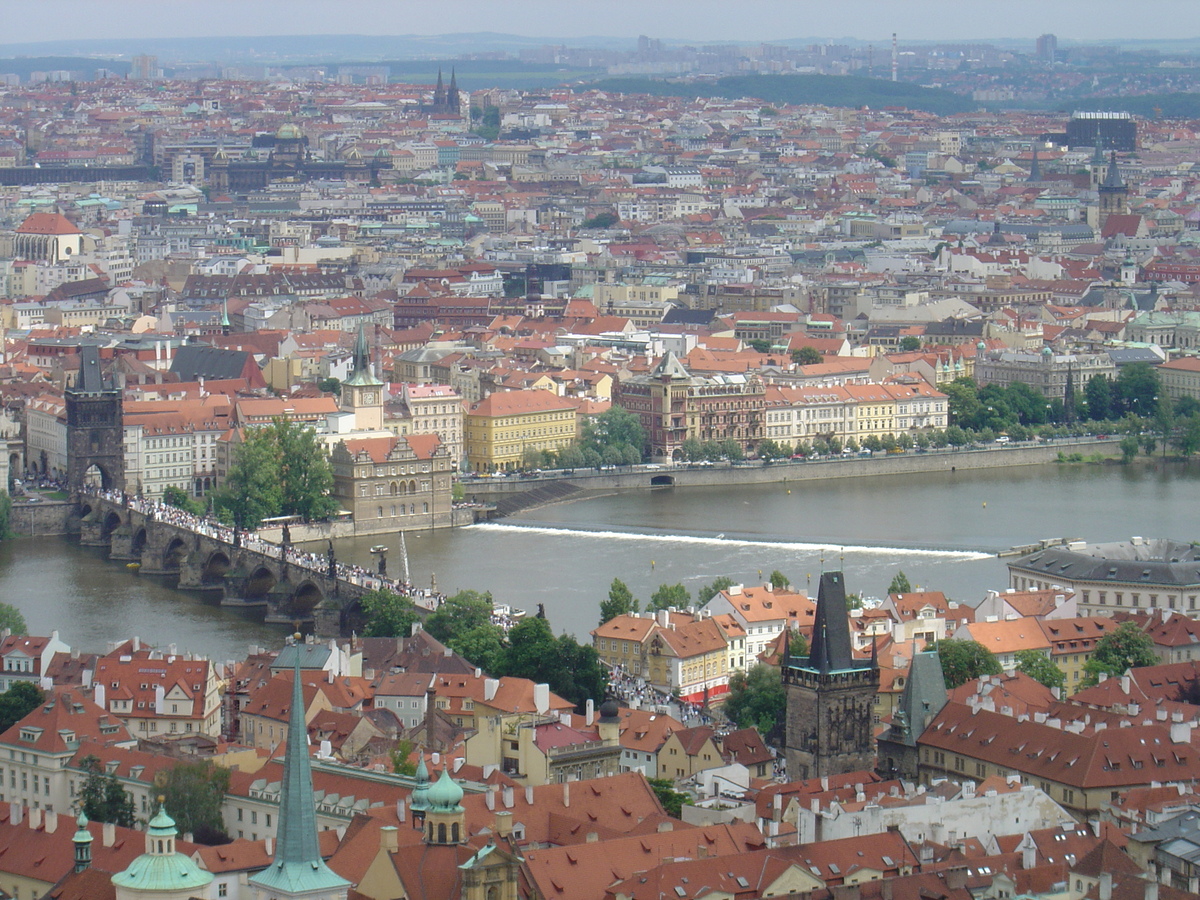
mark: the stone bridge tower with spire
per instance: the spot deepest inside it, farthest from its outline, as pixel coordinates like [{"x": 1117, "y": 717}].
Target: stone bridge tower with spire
[
  {"x": 829, "y": 724},
  {"x": 95, "y": 427}
]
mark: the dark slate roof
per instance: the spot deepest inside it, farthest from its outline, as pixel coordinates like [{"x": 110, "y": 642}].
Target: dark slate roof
[
  {"x": 681, "y": 315},
  {"x": 194, "y": 361},
  {"x": 973, "y": 226},
  {"x": 1157, "y": 562},
  {"x": 1127, "y": 356},
  {"x": 958, "y": 327}
]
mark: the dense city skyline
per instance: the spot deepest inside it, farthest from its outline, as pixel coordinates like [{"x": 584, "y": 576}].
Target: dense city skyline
[{"x": 705, "y": 20}]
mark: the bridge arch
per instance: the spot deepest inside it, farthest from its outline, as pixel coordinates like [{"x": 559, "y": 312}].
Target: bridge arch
[
  {"x": 138, "y": 544},
  {"x": 260, "y": 583},
  {"x": 308, "y": 597},
  {"x": 112, "y": 522},
  {"x": 215, "y": 568},
  {"x": 175, "y": 554},
  {"x": 662, "y": 480}
]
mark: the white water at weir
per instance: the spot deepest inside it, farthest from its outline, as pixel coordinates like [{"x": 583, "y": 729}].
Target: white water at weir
[{"x": 831, "y": 551}]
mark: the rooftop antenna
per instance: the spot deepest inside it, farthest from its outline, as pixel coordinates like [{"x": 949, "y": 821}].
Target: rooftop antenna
[{"x": 895, "y": 59}]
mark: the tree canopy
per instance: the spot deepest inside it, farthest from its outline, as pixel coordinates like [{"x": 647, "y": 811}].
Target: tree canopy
[
  {"x": 669, "y": 595},
  {"x": 1126, "y": 647},
  {"x": 1039, "y": 667},
  {"x": 572, "y": 670},
  {"x": 708, "y": 591},
  {"x": 12, "y": 619},
  {"x": 193, "y": 794},
  {"x": 616, "y": 436},
  {"x": 464, "y": 612},
  {"x": 280, "y": 469},
  {"x": 17, "y": 702},
  {"x": 756, "y": 699},
  {"x": 102, "y": 798},
  {"x": 620, "y": 601},
  {"x": 964, "y": 661},
  {"x": 900, "y": 584},
  {"x": 388, "y": 614}
]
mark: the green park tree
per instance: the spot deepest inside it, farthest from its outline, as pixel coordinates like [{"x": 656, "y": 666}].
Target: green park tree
[
  {"x": 1126, "y": 647},
  {"x": 482, "y": 645},
  {"x": 387, "y": 614},
  {"x": 17, "y": 702},
  {"x": 910, "y": 343},
  {"x": 756, "y": 699},
  {"x": 779, "y": 581},
  {"x": 102, "y": 798},
  {"x": 279, "y": 470},
  {"x": 620, "y": 601},
  {"x": 807, "y": 356},
  {"x": 708, "y": 591},
  {"x": 900, "y": 584},
  {"x": 193, "y": 794},
  {"x": 1039, "y": 667},
  {"x": 11, "y": 618},
  {"x": 1099, "y": 397},
  {"x": 465, "y": 611},
  {"x": 1129, "y": 448},
  {"x": 572, "y": 670},
  {"x": 964, "y": 661},
  {"x": 669, "y": 595},
  {"x": 672, "y": 800},
  {"x": 401, "y": 764},
  {"x": 615, "y": 431}
]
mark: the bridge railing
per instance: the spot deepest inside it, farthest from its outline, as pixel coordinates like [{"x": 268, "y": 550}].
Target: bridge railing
[{"x": 322, "y": 565}]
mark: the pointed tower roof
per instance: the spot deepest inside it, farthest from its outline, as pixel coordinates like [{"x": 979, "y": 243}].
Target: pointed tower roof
[
  {"x": 453, "y": 80},
  {"x": 923, "y": 697},
  {"x": 297, "y": 867},
  {"x": 670, "y": 368},
  {"x": 1112, "y": 178},
  {"x": 831, "y": 648},
  {"x": 1035, "y": 170},
  {"x": 361, "y": 374}
]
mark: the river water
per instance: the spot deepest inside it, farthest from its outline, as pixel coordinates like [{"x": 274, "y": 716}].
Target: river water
[{"x": 942, "y": 529}]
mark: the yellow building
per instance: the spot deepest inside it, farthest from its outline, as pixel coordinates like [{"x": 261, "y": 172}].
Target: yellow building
[
  {"x": 503, "y": 426},
  {"x": 1072, "y": 642},
  {"x": 874, "y": 410}
]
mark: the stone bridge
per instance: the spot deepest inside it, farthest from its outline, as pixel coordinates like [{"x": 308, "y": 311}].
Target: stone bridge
[{"x": 244, "y": 577}]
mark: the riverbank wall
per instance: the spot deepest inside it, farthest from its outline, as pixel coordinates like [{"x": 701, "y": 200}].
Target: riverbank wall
[
  {"x": 43, "y": 518},
  {"x": 496, "y": 490}
]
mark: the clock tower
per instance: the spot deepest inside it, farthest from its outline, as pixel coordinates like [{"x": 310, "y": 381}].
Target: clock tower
[{"x": 362, "y": 392}]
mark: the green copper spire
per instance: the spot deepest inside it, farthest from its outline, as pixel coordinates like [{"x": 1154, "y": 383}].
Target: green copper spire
[
  {"x": 225, "y": 323},
  {"x": 361, "y": 361},
  {"x": 297, "y": 867}
]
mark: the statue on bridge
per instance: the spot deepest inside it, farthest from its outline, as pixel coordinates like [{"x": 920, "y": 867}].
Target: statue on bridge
[{"x": 331, "y": 562}]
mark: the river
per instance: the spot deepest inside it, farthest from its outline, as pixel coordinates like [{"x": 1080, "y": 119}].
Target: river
[{"x": 942, "y": 529}]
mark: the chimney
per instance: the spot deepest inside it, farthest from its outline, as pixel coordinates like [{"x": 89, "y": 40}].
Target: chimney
[
  {"x": 591, "y": 711},
  {"x": 108, "y": 834},
  {"x": 510, "y": 798},
  {"x": 528, "y": 795},
  {"x": 490, "y": 686},
  {"x": 489, "y": 798},
  {"x": 1105, "y": 886},
  {"x": 269, "y": 847},
  {"x": 567, "y": 794},
  {"x": 1151, "y": 890},
  {"x": 503, "y": 824},
  {"x": 389, "y": 839},
  {"x": 664, "y": 618},
  {"x": 98, "y": 696},
  {"x": 35, "y": 819},
  {"x": 1181, "y": 733},
  {"x": 51, "y": 821},
  {"x": 541, "y": 698},
  {"x": 401, "y": 813},
  {"x": 16, "y": 813},
  {"x": 1028, "y": 853}
]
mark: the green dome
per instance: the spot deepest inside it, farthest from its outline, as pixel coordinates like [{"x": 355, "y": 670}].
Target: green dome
[
  {"x": 446, "y": 794},
  {"x": 160, "y": 868},
  {"x": 420, "y": 795},
  {"x": 289, "y": 132}
]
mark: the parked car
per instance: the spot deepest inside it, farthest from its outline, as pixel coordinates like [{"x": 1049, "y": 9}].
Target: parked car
[{"x": 1003, "y": 439}]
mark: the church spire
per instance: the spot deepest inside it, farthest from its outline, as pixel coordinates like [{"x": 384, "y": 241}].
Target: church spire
[
  {"x": 360, "y": 361},
  {"x": 831, "y": 649},
  {"x": 298, "y": 867}
]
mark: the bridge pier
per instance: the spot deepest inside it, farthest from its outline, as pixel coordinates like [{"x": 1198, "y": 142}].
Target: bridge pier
[{"x": 121, "y": 545}]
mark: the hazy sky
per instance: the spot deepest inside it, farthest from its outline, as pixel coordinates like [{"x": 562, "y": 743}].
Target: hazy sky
[{"x": 698, "y": 20}]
